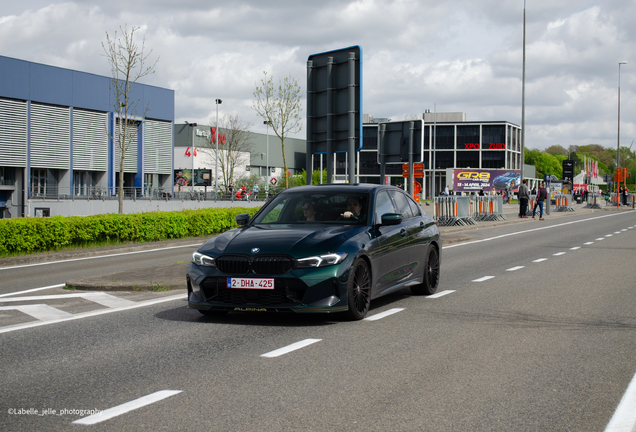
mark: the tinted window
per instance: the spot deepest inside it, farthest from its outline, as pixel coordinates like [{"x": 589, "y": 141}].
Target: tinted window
[
  {"x": 402, "y": 204},
  {"x": 415, "y": 208},
  {"x": 383, "y": 205}
]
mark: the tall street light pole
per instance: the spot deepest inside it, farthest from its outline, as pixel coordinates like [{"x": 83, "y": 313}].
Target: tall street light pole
[
  {"x": 193, "y": 126},
  {"x": 618, "y": 140},
  {"x": 268, "y": 123},
  {"x": 523, "y": 94},
  {"x": 216, "y": 155}
]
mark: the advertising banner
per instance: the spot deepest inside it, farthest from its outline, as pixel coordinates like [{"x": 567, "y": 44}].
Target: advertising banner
[
  {"x": 474, "y": 180},
  {"x": 183, "y": 177}
]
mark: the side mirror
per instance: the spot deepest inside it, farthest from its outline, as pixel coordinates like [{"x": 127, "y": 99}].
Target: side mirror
[
  {"x": 391, "y": 218},
  {"x": 242, "y": 219}
]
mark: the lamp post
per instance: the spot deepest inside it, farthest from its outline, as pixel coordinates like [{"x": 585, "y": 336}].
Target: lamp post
[
  {"x": 618, "y": 140},
  {"x": 523, "y": 95},
  {"x": 193, "y": 126},
  {"x": 268, "y": 123},
  {"x": 216, "y": 155}
]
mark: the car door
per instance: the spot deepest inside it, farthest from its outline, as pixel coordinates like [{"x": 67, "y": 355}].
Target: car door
[{"x": 394, "y": 246}]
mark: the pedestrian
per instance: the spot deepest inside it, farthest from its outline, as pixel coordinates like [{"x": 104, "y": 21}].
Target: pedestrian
[
  {"x": 625, "y": 193},
  {"x": 542, "y": 195},
  {"x": 446, "y": 190},
  {"x": 524, "y": 195},
  {"x": 481, "y": 192},
  {"x": 256, "y": 190}
]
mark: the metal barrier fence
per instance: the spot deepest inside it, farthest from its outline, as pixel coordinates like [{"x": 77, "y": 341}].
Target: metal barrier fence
[
  {"x": 453, "y": 210},
  {"x": 612, "y": 199},
  {"x": 489, "y": 208},
  {"x": 563, "y": 203},
  {"x": 594, "y": 200}
]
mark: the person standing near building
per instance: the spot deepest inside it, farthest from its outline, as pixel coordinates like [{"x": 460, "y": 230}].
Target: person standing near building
[
  {"x": 542, "y": 195},
  {"x": 446, "y": 191},
  {"x": 524, "y": 196},
  {"x": 256, "y": 191}
]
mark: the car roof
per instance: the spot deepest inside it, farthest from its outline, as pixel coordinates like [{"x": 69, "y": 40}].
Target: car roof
[{"x": 339, "y": 187}]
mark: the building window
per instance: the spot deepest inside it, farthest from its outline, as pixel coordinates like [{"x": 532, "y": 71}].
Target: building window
[
  {"x": 7, "y": 176},
  {"x": 493, "y": 159},
  {"x": 444, "y": 137},
  {"x": 370, "y": 137},
  {"x": 444, "y": 159},
  {"x": 467, "y": 137},
  {"x": 467, "y": 159},
  {"x": 369, "y": 163},
  {"x": 493, "y": 137}
]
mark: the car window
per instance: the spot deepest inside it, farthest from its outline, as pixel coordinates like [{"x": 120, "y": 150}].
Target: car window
[
  {"x": 415, "y": 208},
  {"x": 402, "y": 204},
  {"x": 383, "y": 205}
]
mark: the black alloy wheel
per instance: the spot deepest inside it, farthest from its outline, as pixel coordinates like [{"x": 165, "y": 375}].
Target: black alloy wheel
[
  {"x": 359, "y": 290},
  {"x": 431, "y": 274}
]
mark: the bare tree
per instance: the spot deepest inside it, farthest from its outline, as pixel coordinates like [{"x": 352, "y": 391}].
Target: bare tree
[
  {"x": 234, "y": 147},
  {"x": 281, "y": 107},
  {"x": 128, "y": 64}
]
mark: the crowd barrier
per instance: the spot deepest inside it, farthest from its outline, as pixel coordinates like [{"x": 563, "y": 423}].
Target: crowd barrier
[
  {"x": 489, "y": 208},
  {"x": 563, "y": 203},
  {"x": 613, "y": 199},
  {"x": 453, "y": 210},
  {"x": 594, "y": 200}
]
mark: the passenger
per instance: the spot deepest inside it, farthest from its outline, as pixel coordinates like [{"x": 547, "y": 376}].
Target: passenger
[{"x": 309, "y": 212}]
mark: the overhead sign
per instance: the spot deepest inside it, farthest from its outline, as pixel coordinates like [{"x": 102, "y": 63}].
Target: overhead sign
[
  {"x": 395, "y": 138},
  {"x": 334, "y": 101}
]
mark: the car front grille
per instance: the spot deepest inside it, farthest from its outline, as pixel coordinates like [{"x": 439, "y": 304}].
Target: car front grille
[
  {"x": 263, "y": 265},
  {"x": 286, "y": 293}
]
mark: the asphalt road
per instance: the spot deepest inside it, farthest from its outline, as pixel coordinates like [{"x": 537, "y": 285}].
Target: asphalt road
[{"x": 533, "y": 330}]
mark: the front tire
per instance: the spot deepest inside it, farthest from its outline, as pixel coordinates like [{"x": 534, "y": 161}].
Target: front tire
[
  {"x": 359, "y": 290},
  {"x": 431, "y": 274}
]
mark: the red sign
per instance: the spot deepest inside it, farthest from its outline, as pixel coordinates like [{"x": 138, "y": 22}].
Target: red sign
[
  {"x": 471, "y": 146},
  {"x": 213, "y": 139},
  {"x": 189, "y": 153},
  {"x": 273, "y": 181}
]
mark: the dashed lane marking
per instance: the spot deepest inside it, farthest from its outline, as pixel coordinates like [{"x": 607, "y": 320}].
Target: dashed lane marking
[
  {"x": 384, "y": 314},
  {"x": 485, "y": 278},
  {"x": 440, "y": 294},
  {"x": 515, "y": 268},
  {"x": 575, "y": 248},
  {"x": 127, "y": 407},
  {"x": 588, "y": 243},
  {"x": 559, "y": 253},
  {"x": 540, "y": 260},
  {"x": 293, "y": 347}
]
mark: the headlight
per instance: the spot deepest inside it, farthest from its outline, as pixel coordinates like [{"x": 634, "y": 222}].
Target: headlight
[
  {"x": 203, "y": 260},
  {"x": 321, "y": 260}
]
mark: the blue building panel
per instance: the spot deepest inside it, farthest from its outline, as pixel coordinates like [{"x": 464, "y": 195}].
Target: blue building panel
[
  {"x": 51, "y": 85},
  {"x": 91, "y": 92},
  {"x": 15, "y": 78},
  {"x": 161, "y": 103}
]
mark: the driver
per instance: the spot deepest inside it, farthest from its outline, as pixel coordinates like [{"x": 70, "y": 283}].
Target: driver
[{"x": 354, "y": 208}]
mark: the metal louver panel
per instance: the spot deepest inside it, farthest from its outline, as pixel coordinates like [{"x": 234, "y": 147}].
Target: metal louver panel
[
  {"x": 157, "y": 147},
  {"x": 130, "y": 159},
  {"x": 13, "y": 133},
  {"x": 50, "y": 137},
  {"x": 90, "y": 141}
]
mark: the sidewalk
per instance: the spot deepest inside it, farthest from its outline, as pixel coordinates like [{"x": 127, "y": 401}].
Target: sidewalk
[{"x": 172, "y": 277}]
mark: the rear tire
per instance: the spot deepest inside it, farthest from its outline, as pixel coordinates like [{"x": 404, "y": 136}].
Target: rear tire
[
  {"x": 359, "y": 290},
  {"x": 431, "y": 274}
]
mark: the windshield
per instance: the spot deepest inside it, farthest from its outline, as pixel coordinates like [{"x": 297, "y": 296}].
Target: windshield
[{"x": 303, "y": 207}]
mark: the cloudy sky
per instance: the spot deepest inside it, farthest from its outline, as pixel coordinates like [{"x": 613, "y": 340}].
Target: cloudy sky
[{"x": 462, "y": 55}]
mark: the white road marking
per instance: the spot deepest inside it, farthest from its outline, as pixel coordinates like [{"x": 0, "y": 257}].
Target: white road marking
[
  {"x": 624, "y": 418},
  {"x": 290, "y": 348},
  {"x": 559, "y": 253},
  {"x": 599, "y": 239},
  {"x": 97, "y": 297},
  {"x": 623, "y": 230},
  {"x": 617, "y": 232},
  {"x": 40, "y": 312},
  {"x": 33, "y": 290},
  {"x": 588, "y": 243},
  {"x": 609, "y": 235},
  {"x": 540, "y": 260},
  {"x": 440, "y": 294},
  {"x": 94, "y": 313},
  {"x": 575, "y": 248},
  {"x": 514, "y": 268},
  {"x": 127, "y": 407},
  {"x": 384, "y": 314},
  {"x": 99, "y": 256},
  {"x": 530, "y": 230},
  {"x": 485, "y": 278}
]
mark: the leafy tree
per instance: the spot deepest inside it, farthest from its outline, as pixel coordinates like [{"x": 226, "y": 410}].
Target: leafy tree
[
  {"x": 234, "y": 147},
  {"x": 128, "y": 65},
  {"x": 556, "y": 149},
  {"x": 281, "y": 107},
  {"x": 301, "y": 179}
]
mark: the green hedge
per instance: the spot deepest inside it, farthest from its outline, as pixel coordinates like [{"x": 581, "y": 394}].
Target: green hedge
[{"x": 28, "y": 235}]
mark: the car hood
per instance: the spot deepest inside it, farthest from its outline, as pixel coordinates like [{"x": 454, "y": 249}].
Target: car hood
[{"x": 296, "y": 241}]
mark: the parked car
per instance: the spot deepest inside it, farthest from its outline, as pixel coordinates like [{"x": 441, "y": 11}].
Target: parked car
[
  {"x": 364, "y": 241},
  {"x": 508, "y": 180}
]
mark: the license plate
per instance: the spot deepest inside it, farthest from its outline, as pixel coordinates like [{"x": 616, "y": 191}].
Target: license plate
[{"x": 251, "y": 283}]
